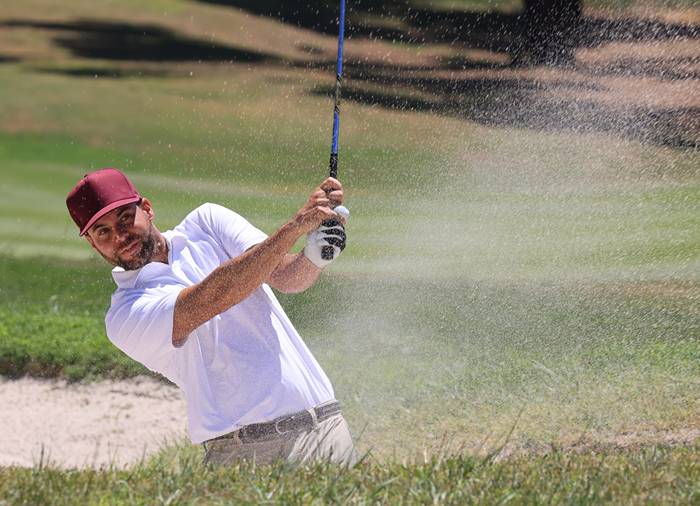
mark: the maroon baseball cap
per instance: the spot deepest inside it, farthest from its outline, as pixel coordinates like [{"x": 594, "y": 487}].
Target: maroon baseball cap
[{"x": 98, "y": 193}]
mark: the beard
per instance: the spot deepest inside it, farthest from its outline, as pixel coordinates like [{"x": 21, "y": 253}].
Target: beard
[{"x": 148, "y": 248}]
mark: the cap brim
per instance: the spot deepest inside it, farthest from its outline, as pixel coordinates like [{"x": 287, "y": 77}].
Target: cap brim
[{"x": 99, "y": 214}]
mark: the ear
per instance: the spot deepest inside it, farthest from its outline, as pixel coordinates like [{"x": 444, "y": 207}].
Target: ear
[{"x": 147, "y": 208}]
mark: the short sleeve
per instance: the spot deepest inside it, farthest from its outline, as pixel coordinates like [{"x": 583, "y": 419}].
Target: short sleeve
[
  {"x": 232, "y": 230},
  {"x": 140, "y": 323}
]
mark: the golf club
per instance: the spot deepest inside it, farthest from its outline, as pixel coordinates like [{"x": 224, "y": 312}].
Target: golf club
[{"x": 333, "y": 163}]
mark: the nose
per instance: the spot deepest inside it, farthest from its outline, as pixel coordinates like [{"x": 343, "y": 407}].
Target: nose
[{"x": 121, "y": 235}]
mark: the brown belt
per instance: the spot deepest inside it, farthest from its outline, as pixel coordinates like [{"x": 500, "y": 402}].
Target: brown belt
[{"x": 284, "y": 424}]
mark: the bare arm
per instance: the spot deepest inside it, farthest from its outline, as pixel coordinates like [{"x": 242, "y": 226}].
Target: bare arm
[
  {"x": 294, "y": 274},
  {"x": 236, "y": 279},
  {"x": 228, "y": 284}
]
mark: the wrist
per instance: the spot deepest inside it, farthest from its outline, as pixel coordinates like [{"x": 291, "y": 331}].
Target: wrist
[
  {"x": 294, "y": 228},
  {"x": 308, "y": 264},
  {"x": 313, "y": 256}
]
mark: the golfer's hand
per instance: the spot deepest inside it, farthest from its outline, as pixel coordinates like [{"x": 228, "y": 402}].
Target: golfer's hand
[
  {"x": 325, "y": 244},
  {"x": 333, "y": 190},
  {"x": 319, "y": 207}
]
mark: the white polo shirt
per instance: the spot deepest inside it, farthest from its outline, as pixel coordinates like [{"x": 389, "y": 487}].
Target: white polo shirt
[{"x": 245, "y": 365}]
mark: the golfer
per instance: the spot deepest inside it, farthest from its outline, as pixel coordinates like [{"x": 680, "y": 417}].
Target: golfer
[{"x": 195, "y": 305}]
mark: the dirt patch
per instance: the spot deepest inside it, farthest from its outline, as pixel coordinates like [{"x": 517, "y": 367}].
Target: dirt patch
[
  {"x": 22, "y": 122},
  {"x": 87, "y": 425},
  {"x": 686, "y": 292},
  {"x": 688, "y": 15},
  {"x": 117, "y": 423},
  {"x": 674, "y": 290},
  {"x": 606, "y": 442}
]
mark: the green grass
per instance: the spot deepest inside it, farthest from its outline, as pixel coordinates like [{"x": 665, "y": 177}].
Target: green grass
[
  {"x": 622, "y": 5},
  {"x": 496, "y": 278},
  {"x": 650, "y": 476},
  {"x": 50, "y": 321},
  {"x": 558, "y": 358}
]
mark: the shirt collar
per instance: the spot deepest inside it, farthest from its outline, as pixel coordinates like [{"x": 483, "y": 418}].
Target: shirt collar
[{"x": 129, "y": 279}]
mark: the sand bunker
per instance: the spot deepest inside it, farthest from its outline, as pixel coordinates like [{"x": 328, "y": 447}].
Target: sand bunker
[
  {"x": 92, "y": 425},
  {"x": 118, "y": 423}
]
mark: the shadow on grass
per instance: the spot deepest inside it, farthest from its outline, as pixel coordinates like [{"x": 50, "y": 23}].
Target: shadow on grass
[
  {"x": 137, "y": 42},
  {"x": 520, "y": 104},
  {"x": 489, "y": 99},
  {"x": 409, "y": 21},
  {"x": 669, "y": 68},
  {"x": 110, "y": 72},
  {"x": 498, "y": 100}
]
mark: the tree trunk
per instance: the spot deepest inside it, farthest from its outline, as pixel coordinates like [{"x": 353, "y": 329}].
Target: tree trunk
[{"x": 551, "y": 31}]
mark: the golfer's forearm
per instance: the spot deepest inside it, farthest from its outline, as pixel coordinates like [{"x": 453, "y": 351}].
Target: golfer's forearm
[
  {"x": 294, "y": 274},
  {"x": 230, "y": 283}
]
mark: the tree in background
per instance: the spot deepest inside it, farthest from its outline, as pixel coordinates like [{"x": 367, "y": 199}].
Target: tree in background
[
  {"x": 544, "y": 32},
  {"x": 550, "y": 31}
]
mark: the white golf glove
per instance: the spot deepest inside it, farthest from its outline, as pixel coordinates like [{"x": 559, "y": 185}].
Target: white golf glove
[{"x": 324, "y": 244}]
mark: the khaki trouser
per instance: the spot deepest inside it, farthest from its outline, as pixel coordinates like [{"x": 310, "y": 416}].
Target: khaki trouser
[{"x": 330, "y": 440}]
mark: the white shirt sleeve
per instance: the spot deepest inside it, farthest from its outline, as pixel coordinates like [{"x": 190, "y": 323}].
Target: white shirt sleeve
[
  {"x": 234, "y": 232},
  {"x": 140, "y": 323}
]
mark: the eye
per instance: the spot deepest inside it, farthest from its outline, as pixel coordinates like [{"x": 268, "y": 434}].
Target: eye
[{"x": 127, "y": 218}]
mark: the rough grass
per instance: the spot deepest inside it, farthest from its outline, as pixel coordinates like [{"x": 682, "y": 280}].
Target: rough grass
[
  {"x": 496, "y": 276},
  {"x": 657, "y": 475},
  {"x": 50, "y": 321},
  {"x": 557, "y": 362}
]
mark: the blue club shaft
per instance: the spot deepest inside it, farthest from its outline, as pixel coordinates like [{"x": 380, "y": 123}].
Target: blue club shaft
[{"x": 333, "y": 164}]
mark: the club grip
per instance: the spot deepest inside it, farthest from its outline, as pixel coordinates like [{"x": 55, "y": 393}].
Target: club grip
[{"x": 333, "y": 166}]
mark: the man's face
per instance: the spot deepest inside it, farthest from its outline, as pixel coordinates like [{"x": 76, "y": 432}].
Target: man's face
[{"x": 125, "y": 236}]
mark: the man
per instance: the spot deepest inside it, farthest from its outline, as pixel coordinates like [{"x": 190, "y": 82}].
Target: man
[{"x": 194, "y": 304}]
